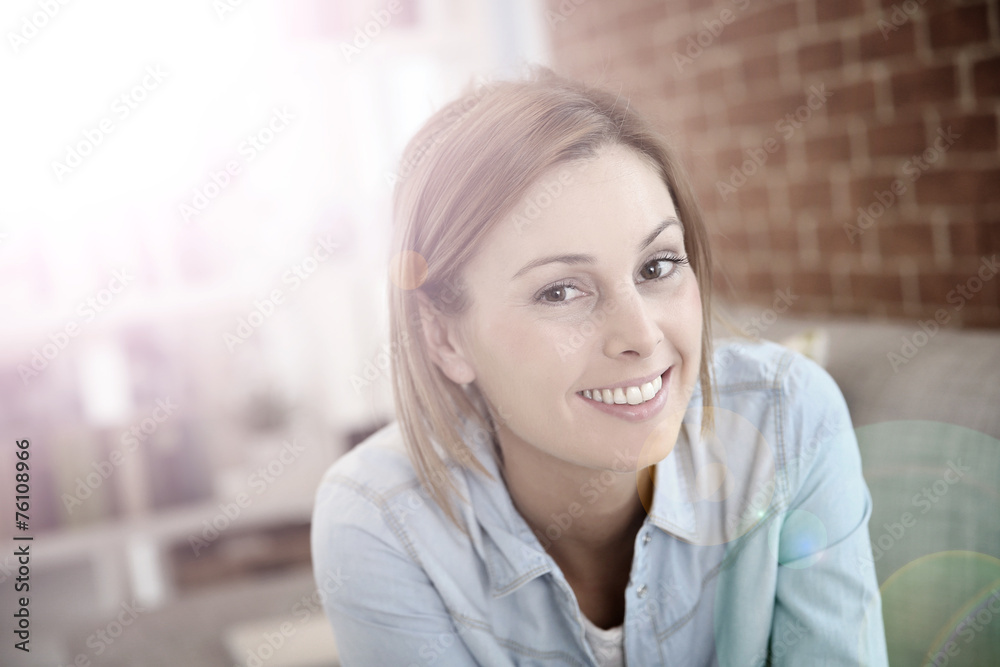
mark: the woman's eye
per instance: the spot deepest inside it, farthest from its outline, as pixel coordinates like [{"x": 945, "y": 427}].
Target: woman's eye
[
  {"x": 654, "y": 269},
  {"x": 555, "y": 294}
]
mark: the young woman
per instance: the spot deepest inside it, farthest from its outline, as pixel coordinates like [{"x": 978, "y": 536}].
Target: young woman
[{"x": 576, "y": 477}]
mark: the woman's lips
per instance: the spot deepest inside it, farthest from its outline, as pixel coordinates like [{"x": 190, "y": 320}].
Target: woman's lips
[{"x": 639, "y": 412}]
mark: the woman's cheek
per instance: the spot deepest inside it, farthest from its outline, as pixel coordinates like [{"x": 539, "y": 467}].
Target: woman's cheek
[{"x": 693, "y": 306}]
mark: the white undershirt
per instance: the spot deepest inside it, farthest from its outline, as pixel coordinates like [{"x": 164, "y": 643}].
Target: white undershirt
[{"x": 608, "y": 645}]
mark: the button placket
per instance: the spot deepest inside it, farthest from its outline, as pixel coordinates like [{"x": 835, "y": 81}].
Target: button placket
[{"x": 639, "y": 564}]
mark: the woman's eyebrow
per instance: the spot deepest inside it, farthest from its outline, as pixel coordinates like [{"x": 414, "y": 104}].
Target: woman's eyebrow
[
  {"x": 577, "y": 258},
  {"x": 656, "y": 232}
]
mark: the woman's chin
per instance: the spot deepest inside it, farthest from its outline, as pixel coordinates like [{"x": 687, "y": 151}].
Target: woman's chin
[{"x": 660, "y": 442}]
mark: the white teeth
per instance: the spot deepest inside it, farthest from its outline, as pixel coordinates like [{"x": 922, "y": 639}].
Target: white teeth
[
  {"x": 647, "y": 391},
  {"x": 631, "y": 395}
]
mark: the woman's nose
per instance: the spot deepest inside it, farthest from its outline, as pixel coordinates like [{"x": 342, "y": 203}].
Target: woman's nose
[{"x": 631, "y": 325}]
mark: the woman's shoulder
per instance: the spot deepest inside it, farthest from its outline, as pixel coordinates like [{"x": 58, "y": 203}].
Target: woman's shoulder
[
  {"x": 791, "y": 399},
  {"x": 366, "y": 480},
  {"x": 764, "y": 380},
  {"x": 375, "y": 487},
  {"x": 371, "y": 501},
  {"x": 747, "y": 364},
  {"x": 378, "y": 466}
]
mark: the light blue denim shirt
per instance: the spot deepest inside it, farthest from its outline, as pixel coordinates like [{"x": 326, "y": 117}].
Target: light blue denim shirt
[{"x": 755, "y": 551}]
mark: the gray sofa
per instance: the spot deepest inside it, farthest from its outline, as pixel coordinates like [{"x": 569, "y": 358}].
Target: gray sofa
[{"x": 926, "y": 410}]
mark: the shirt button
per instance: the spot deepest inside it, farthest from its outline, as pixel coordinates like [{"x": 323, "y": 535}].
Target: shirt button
[
  {"x": 641, "y": 591},
  {"x": 646, "y": 539}
]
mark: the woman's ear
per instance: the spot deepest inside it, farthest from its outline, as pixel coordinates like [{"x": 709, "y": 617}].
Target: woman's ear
[{"x": 441, "y": 337}]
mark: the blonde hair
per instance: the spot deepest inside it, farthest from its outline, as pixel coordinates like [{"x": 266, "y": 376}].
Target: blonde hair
[{"x": 460, "y": 176}]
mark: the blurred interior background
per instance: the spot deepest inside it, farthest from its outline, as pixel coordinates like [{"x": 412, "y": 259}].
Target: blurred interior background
[{"x": 193, "y": 253}]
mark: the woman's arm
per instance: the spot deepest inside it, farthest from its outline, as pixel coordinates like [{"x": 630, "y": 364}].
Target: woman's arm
[
  {"x": 827, "y": 604},
  {"x": 383, "y": 608}
]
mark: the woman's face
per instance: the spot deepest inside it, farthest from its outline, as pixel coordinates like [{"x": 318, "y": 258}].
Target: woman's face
[{"x": 585, "y": 287}]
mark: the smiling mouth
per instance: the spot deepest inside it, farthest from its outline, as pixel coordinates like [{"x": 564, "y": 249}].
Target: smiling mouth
[{"x": 633, "y": 395}]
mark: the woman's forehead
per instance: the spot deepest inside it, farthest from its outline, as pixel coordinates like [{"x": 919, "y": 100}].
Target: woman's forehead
[{"x": 608, "y": 194}]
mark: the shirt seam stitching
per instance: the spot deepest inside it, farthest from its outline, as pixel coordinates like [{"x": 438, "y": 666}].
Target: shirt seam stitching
[{"x": 511, "y": 644}]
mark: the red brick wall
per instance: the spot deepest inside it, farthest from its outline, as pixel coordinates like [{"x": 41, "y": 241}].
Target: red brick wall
[{"x": 733, "y": 80}]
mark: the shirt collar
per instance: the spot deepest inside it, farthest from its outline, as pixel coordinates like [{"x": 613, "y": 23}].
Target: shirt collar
[
  {"x": 514, "y": 555},
  {"x": 672, "y": 510},
  {"x": 511, "y": 552}
]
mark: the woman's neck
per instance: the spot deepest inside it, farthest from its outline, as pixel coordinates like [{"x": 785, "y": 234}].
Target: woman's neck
[
  {"x": 586, "y": 518},
  {"x": 582, "y": 516}
]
